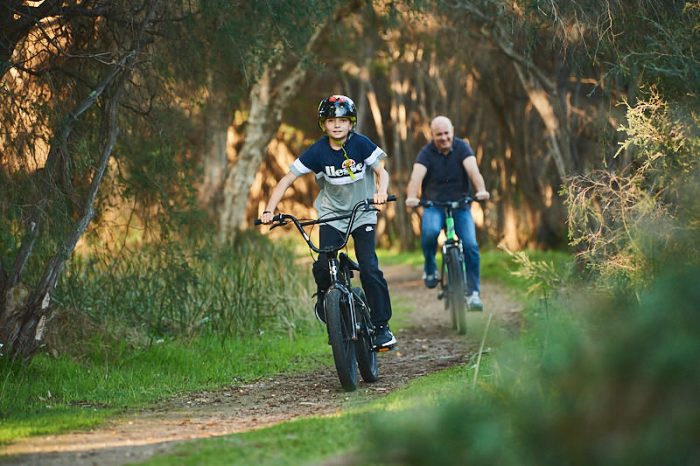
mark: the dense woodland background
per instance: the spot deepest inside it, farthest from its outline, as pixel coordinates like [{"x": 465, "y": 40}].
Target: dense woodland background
[{"x": 135, "y": 123}]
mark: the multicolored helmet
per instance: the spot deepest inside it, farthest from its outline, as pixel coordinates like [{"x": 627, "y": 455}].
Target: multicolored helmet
[{"x": 337, "y": 106}]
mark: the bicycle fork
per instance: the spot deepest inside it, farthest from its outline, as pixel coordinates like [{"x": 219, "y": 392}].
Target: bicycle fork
[{"x": 347, "y": 294}]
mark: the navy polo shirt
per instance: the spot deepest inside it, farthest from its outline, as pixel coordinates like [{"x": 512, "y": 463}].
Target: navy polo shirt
[{"x": 446, "y": 179}]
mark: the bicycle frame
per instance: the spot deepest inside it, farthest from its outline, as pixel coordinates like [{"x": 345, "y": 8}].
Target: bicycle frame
[{"x": 451, "y": 239}]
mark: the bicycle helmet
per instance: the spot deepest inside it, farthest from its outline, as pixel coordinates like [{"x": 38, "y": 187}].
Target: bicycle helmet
[{"x": 337, "y": 106}]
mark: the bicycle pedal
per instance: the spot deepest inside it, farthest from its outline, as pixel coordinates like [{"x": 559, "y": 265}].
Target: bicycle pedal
[{"x": 383, "y": 349}]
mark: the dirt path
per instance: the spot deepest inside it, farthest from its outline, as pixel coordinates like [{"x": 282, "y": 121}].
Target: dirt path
[{"x": 427, "y": 346}]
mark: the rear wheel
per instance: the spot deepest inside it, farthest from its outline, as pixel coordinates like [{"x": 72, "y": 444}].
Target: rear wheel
[
  {"x": 458, "y": 304},
  {"x": 366, "y": 358},
  {"x": 343, "y": 346}
]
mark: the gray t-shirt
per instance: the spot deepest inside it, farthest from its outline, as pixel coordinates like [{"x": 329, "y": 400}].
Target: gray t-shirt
[{"x": 343, "y": 181}]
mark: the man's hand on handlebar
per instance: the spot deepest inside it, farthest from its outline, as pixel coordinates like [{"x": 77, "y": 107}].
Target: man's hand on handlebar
[
  {"x": 412, "y": 202},
  {"x": 482, "y": 196}
]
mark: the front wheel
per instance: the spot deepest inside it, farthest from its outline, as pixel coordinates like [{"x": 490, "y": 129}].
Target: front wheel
[
  {"x": 457, "y": 301},
  {"x": 339, "y": 331},
  {"x": 366, "y": 358}
]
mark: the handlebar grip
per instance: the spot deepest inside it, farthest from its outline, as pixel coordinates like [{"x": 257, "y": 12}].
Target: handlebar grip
[
  {"x": 276, "y": 218},
  {"x": 389, "y": 198}
]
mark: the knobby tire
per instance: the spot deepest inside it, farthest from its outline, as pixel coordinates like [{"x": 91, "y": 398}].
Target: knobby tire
[
  {"x": 339, "y": 336},
  {"x": 457, "y": 300}
]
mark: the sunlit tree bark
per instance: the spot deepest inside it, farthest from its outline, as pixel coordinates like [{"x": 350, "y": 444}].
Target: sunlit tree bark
[{"x": 268, "y": 98}]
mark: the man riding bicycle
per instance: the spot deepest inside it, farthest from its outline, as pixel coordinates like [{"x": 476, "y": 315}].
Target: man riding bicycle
[
  {"x": 349, "y": 168},
  {"x": 443, "y": 171}
]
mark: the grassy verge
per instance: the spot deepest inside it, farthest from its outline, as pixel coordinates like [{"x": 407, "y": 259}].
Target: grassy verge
[
  {"x": 143, "y": 325},
  {"x": 311, "y": 440},
  {"x": 53, "y": 395}
]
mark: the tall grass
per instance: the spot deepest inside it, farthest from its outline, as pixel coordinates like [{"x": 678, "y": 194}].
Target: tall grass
[
  {"x": 186, "y": 290},
  {"x": 147, "y": 324}
]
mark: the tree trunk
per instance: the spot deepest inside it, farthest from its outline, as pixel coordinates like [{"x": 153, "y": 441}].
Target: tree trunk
[
  {"x": 259, "y": 129},
  {"x": 401, "y": 149},
  {"x": 267, "y": 103},
  {"x": 553, "y": 115},
  {"x": 24, "y": 312},
  {"x": 217, "y": 121},
  {"x": 266, "y": 107}
]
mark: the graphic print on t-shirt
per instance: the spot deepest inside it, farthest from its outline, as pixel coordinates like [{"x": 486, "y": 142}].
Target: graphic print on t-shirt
[
  {"x": 339, "y": 191},
  {"x": 342, "y": 175},
  {"x": 339, "y": 167}
]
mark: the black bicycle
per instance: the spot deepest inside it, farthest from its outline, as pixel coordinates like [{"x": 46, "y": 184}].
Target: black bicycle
[
  {"x": 453, "y": 275},
  {"x": 347, "y": 313}
]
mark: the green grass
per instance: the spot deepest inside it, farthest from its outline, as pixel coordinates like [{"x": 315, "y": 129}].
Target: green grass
[
  {"x": 56, "y": 394},
  {"x": 391, "y": 257},
  {"x": 53, "y": 395}
]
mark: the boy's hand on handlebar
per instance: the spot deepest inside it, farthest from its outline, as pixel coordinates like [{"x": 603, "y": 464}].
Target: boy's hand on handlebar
[
  {"x": 266, "y": 217},
  {"x": 482, "y": 196},
  {"x": 380, "y": 198},
  {"x": 412, "y": 202}
]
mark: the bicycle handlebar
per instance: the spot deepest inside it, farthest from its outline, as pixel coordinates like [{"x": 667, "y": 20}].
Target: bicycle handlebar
[
  {"x": 281, "y": 219},
  {"x": 452, "y": 204}
]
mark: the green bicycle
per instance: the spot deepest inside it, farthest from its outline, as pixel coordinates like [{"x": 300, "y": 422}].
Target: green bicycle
[{"x": 453, "y": 275}]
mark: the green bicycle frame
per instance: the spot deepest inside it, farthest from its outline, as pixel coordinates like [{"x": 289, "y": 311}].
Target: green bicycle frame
[{"x": 450, "y": 228}]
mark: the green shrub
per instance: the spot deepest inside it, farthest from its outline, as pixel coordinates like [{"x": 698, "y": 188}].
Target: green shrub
[
  {"x": 626, "y": 223},
  {"x": 614, "y": 388}
]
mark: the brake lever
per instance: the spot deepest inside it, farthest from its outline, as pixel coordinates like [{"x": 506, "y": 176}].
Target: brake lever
[{"x": 279, "y": 223}]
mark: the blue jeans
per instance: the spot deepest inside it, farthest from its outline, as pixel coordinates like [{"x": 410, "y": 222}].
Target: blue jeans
[
  {"x": 432, "y": 223},
  {"x": 372, "y": 279}
]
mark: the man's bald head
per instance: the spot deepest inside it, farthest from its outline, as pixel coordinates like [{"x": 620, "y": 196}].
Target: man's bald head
[{"x": 441, "y": 121}]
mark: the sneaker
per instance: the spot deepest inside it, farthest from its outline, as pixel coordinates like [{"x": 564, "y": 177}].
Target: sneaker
[
  {"x": 383, "y": 337},
  {"x": 474, "y": 302},
  {"x": 430, "y": 280}
]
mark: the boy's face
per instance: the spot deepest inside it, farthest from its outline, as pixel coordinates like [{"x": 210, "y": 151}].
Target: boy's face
[{"x": 337, "y": 128}]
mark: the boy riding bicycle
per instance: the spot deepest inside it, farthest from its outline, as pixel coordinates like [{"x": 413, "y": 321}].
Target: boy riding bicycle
[{"x": 348, "y": 167}]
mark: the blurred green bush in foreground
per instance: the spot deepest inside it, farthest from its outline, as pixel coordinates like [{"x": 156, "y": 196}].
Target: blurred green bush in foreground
[{"x": 618, "y": 385}]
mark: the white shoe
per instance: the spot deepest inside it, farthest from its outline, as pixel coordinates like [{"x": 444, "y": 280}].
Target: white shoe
[
  {"x": 431, "y": 280},
  {"x": 474, "y": 302}
]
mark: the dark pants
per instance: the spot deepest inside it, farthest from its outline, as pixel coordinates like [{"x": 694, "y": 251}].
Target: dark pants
[{"x": 372, "y": 279}]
